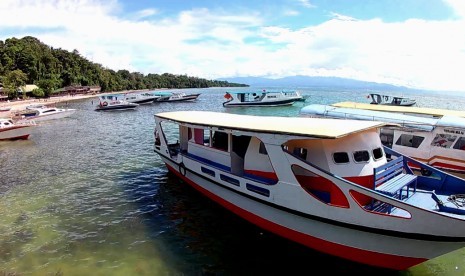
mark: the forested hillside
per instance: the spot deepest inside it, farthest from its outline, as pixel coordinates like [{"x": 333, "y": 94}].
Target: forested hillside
[{"x": 29, "y": 61}]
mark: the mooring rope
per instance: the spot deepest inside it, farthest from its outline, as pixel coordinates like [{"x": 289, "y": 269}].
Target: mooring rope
[{"x": 458, "y": 200}]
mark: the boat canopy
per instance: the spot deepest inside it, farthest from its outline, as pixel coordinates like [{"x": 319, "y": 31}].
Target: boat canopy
[
  {"x": 404, "y": 109},
  {"x": 299, "y": 126}
]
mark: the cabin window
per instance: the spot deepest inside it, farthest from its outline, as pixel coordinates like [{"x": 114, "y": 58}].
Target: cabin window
[
  {"x": 198, "y": 136},
  {"x": 409, "y": 140},
  {"x": 377, "y": 153},
  {"x": 300, "y": 152},
  {"x": 443, "y": 140},
  {"x": 361, "y": 156},
  {"x": 262, "y": 149},
  {"x": 220, "y": 140},
  {"x": 460, "y": 144},
  {"x": 341, "y": 157}
]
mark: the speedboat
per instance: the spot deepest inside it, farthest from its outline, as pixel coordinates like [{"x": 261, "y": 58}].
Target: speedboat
[
  {"x": 143, "y": 98},
  {"x": 176, "y": 97},
  {"x": 43, "y": 113},
  {"x": 5, "y": 108},
  {"x": 15, "y": 131},
  {"x": 114, "y": 102},
  {"x": 390, "y": 100},
  {"x": 263, "y": 98},
  {"x": 318, "y": 182}
]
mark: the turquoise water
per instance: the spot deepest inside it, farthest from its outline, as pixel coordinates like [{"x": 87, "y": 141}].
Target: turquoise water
[{"x": 86, "y": 195}]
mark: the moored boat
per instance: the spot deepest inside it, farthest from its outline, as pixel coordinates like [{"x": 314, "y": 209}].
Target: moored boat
[
  {"x": 15, "y": 131},
  {"x": 176, "y": 97},
  {"x": 438, "y": 141},
  {"x": 43, "y": 113},
  {"x": 263, "y": 98},
  {"x": 390, "y": 100},
  {"x": 326, "y": 185},
  {"x": 141, "y": 98},
  {"x": 5, "y": 108},
  {"x": 114, "y": 102}
]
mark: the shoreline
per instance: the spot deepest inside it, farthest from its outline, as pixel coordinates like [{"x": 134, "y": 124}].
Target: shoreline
[{"x": 52, "y": 101}]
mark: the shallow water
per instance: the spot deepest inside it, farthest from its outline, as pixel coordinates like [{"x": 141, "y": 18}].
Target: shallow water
[{"x": 86, "y": 195}]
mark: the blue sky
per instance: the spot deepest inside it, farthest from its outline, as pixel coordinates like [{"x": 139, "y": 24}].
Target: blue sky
[{"x": 419, "y": 44}]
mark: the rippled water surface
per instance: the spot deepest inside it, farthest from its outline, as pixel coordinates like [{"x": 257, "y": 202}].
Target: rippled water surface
[{"x": 86, "y": 195}]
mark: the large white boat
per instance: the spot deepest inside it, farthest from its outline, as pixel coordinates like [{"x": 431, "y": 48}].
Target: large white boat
[
  {"x": 263, "y": 98},
  {"x": 43, "y": 113},
  {"x": 176, "y": 97},
  {"x": 390, "y": 100},
  {"x": 141, "y": 98},
  {"x": 437, "y": 140},
  {"x": 114, "y": 102},
  {"x": 319, "y": 182},
  {"x": 15, "y": 131}
]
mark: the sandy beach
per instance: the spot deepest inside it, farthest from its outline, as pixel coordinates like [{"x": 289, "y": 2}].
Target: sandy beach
[{"x": 52, "y": 101}]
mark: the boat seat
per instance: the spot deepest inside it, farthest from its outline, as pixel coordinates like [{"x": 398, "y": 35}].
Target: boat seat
[{"x": 390, "y": 179}]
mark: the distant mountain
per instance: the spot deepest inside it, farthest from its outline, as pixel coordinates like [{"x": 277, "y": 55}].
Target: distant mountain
[{"x": 305, "y": 81}]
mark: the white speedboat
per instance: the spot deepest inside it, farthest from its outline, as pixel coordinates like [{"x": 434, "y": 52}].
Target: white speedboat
[
  {"x": 141, "y": 98},
  {"x": 43, "y": 113},
  {"x": 176, "y": 97},
  {"x": 114, "y": 102},
  {"x": 319, "y": 182},
  {"x": 15, "y": 131},
  {"x": 264, "y": 98},
  {"x": 390, "y": 100}
]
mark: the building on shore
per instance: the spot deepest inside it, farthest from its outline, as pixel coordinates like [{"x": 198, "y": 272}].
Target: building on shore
[{"x": 78, "y": 89}]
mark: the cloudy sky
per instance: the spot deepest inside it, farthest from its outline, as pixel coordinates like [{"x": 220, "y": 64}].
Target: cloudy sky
[{"x": 416, "y": 43}]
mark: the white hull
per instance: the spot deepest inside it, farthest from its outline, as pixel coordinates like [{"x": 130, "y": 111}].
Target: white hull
[{"x": 329, "y": 236}]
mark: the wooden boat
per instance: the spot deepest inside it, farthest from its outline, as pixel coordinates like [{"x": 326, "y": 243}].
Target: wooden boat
[
  {"x": 438, "y": 141},
  {"x": 264, "y": 98},
  {"x": 15, "y": 131},
  {"x": 315, "y": 181},
  {"x": 176, "y": 97},
  {"x": 114, "y": 102},
  {"x": 390, "y": 100}
]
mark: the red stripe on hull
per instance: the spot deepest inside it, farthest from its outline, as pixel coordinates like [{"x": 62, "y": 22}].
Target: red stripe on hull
[{"x": 354, "y": 254}]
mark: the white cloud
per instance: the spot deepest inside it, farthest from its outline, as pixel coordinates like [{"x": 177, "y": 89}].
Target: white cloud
[
  {"x": 212, "y": 44},
  {"x": 306, "y": 3}
]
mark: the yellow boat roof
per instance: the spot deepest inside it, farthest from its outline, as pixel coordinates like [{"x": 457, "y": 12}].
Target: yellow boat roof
[
  {"x": 299, "y": 126},
  {"x": 402, "y": 109}
]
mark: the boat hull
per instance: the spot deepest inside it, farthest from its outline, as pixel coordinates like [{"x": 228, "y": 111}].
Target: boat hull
[
  {"x": 116, "y": 108},
  {"x": 15, "y": 133},
  {"x": 260, "y": 104},
  {"x": 380, "y": 249},
  {"x": 191, "y": 97}
]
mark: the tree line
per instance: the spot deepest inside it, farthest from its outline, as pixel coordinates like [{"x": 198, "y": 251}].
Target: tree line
[{"x": 29, "y": 61}]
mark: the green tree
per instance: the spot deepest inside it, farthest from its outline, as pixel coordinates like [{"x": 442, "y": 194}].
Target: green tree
[
  {"x": 13, "y": 81},
  {"x": 38, "y": 92}
]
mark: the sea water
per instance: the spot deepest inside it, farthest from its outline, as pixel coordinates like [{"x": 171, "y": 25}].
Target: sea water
[{"x": 87, "y": 195}]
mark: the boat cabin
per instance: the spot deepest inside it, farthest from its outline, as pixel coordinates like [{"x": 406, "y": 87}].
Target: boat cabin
[{"x": 246, "y": 154}]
